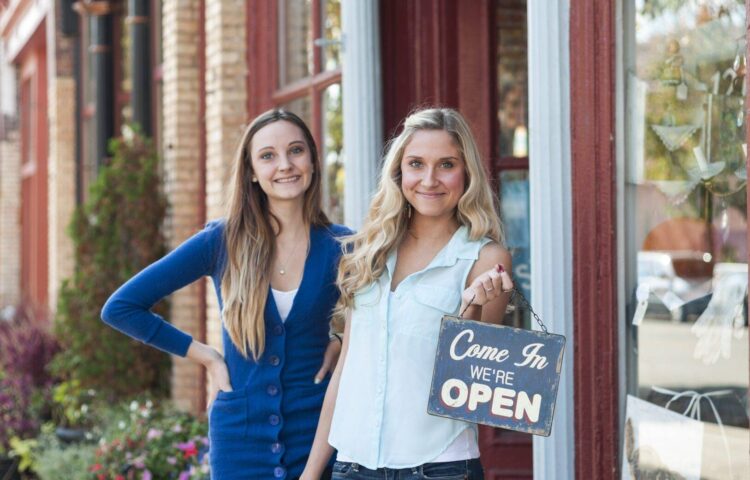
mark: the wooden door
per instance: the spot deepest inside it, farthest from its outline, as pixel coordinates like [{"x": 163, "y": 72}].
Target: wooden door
[{"x": 33, "y": 123}]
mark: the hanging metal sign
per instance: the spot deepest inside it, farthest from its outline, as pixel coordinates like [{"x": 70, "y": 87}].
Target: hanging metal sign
[{"x": 496, "y": 375}]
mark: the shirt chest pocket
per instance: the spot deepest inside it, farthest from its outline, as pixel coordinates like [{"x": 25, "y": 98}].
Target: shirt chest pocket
[
  {"x": 444, "y": 300},
  {"x": 426, "y": 306}
]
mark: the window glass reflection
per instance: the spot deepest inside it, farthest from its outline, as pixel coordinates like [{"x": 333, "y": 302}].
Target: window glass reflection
[
  {"x": 514, "y": 210},
  {"x": 295, "y": 42},
  {"x": 512, "y": 112},
  {"x": 302, "y": 108},
  {"x": 330, "y": 34},
  {"x": 686, "y": 240},
  {"x": 331, "y": 153}
]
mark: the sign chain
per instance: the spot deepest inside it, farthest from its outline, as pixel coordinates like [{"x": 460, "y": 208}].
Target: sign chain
[{"x": 524, "y": 303}]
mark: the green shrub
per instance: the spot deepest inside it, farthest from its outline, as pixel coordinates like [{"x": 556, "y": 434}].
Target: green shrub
[
  {"x": 116, "y": 233},
  {"x": 52, "y": 460}
]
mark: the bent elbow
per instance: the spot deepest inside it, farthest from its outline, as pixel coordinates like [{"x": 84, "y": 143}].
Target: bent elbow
[{"x": 109, "y": 313}]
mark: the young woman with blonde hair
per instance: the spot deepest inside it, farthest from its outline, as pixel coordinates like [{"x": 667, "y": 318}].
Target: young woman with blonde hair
[
  {"x": 273, "y": 263},
  {"x": 431, "y": 245}
]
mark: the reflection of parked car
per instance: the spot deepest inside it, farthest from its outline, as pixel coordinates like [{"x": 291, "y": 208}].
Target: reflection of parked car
[{"x": 679, "y": 282}]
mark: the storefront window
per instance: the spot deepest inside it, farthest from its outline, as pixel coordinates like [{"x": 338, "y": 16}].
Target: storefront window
[
  {"x": 330, "y": 34},
  {"x": 331, "y": 153},
  {"x": 514, "y": 210},
  {"x": 300, "y": 107},
  {"x": 685, "y": 240},
  {"x": 512, "y": 68},
  {"x": 295, "y": 41},
  {"x": 310, "y": 84}
]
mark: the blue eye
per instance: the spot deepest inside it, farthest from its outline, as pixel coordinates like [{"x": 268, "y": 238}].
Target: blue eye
[
  {"x": 297, "y": 150},
  {"x": 415, "y": 163},
  {"x": 266, "y": 156},
  {"x": 447, "y": 165}
]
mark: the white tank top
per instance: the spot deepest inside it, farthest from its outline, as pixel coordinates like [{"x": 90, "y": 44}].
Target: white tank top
[{"x": 284, "y": 301}]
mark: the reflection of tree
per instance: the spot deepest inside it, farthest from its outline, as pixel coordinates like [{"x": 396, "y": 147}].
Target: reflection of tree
[
  {"x": 332, "y": 31},
  {"x": 657, "y": 8},
  {"x": 694, "y": 77}
]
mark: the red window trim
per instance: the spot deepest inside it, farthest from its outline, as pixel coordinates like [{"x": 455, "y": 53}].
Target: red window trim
[{"x": 306, "y": 86}]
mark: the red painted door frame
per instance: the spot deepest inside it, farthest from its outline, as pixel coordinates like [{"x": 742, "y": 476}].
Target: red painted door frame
[
  {"x": 262, "y": 64},
  {"x": 592, "y": 92},
  {"x": 32, "y": 63},
  {"x": 442, "y": 53},
  {"x": 439, "y": 53}
]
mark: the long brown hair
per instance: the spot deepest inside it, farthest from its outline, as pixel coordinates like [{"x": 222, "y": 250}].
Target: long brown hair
[{"x": 250, "y": 236}]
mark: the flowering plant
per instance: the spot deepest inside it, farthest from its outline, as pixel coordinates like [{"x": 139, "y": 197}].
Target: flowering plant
[
  {"x": 15, "y": 403},
  {"x": 148, "y": 443},
  {"x": 26, "y": 347}
]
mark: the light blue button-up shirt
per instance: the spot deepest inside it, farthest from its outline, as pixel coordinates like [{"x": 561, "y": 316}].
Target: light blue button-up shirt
[{"x": 381, "y": 416}]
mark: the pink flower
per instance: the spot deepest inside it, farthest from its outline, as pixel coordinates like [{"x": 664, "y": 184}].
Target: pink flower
[
  {"x": 188, "y": 449},
  {"x": 146, "y": 475},
  {"x": 184, "y": 476},
  {"x": 171, "y": 460},
  {"x": 153, "y": 434}
]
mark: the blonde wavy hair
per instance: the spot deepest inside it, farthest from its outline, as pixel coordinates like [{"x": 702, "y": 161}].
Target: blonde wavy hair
[
  {"x": 366, "y": 252},
  {"x": 250, "y": 238}
]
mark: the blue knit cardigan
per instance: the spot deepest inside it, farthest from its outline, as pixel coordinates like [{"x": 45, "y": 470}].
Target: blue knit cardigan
[{"x": 264, "y": 428}]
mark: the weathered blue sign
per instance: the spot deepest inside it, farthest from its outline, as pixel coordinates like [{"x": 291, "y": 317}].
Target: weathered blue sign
[{"x": 495, "y": 375}]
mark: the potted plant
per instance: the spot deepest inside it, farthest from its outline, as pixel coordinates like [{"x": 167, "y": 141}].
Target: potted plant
[{"x": 73, "y": 411}]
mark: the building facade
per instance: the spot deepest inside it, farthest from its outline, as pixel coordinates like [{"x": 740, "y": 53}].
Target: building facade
[{"x": 615, "y": 135}]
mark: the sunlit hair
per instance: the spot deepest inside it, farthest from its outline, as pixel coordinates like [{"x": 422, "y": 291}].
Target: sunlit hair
[
  {"x": 250, "y": 234},
  {"x": 388, "y": 220}
]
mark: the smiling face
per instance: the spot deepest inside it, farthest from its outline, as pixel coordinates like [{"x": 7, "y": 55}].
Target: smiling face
[
  {"x": 433, "y": 173},
  {"x": 281, "y": 161}
]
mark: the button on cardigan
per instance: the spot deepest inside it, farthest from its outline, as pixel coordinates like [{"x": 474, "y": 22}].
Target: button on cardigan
[{"x": 264, "y": 428}]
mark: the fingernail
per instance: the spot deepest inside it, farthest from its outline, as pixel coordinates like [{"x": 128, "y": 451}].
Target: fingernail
[
  {"x": 317, "y": 381},
  {"x": 500, "y": 268}
]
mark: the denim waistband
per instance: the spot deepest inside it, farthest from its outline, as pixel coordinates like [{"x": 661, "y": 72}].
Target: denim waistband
[{"x": 461, "y": 469}]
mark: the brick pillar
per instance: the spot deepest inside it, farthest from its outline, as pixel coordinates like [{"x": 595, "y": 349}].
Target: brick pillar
[
  {"x": 226, "y": 102},
  {"x": 182, "y": 163},
  {"x": 61, "y": 182},
  {"x": 61, "y": 166},
  {"x": 10, "y": 214}
]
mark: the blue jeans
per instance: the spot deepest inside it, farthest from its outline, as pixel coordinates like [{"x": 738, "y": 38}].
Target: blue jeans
[{"x": 460, "y": 470}]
